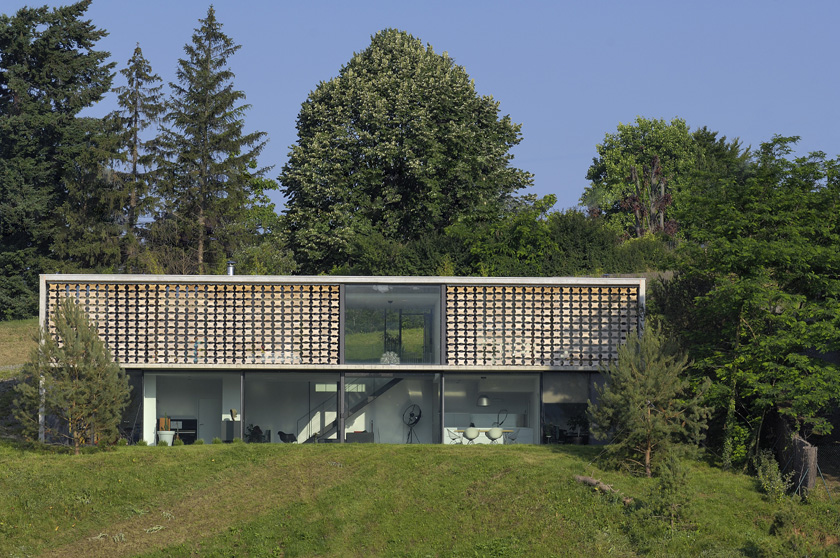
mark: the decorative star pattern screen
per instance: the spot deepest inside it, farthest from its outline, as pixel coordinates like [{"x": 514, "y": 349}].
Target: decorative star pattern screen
[
  {"x": 223, "y": 323},
  {"x": 570, "y": 326}
]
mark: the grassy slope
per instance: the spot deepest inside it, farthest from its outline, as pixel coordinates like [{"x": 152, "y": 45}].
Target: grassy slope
[
  {"x": 376, "y": 500},
  {"x": 17, "y": 339}
]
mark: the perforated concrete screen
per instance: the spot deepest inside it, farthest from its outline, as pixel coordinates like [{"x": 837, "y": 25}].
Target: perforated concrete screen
[
  {"x": 538, "y": 325},
  {"x": 207, "y": 323},
  {"x": 197, "y": 322}
]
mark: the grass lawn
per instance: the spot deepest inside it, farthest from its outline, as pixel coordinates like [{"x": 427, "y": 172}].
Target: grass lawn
[
  {"x": 17, "y": 339},
  {"x": 380, "y": 500}
]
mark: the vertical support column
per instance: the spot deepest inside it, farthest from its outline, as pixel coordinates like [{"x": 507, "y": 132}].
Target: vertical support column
[
  {"x": 149, "y": 407},
  {"x": 242, "y": 405},
  {"x": 340, "y": 421},
  {"x": 42, "y": 321},
  {"x": 442, "y": 407}
]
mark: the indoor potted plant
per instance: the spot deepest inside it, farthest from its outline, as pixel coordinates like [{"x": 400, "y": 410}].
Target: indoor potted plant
[{"x": 580, "y": 425}]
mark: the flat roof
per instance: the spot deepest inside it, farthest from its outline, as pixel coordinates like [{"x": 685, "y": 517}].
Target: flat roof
[{"x": 340, "y": 279}]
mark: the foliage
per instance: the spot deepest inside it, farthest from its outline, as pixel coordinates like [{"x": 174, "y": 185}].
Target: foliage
[
  {"x": 628, "y": 178},
  {"x": 668, "y": 499},
  {"x": 770, "y": 479},
  {"x": 207, "y": 177},
  {"x": 646, "y": 404},
  {"x": 141, "y": 105},
  {"x": 756, "y": 297},
  {"x": 73, "y": 382},
  {"x": 399, "y": 143},
  {"x": 49, "y": 72}
]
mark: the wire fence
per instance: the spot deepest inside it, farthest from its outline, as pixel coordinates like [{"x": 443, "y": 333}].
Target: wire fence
[{"x": 828, "y": 468}]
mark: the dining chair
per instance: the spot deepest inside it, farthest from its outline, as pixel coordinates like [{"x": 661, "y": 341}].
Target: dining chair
[
  {"x": 454, "y": 437},
  {"x": 470, "y": 434},
  {"x": 494, "y": 434},
  {"x": 510, "y": 437}
]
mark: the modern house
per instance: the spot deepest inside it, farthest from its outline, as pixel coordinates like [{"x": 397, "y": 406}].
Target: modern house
[{"x": 376, "y": 359}]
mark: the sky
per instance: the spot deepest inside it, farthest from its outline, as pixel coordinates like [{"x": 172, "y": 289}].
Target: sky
[{"x": 568, "y": 71}]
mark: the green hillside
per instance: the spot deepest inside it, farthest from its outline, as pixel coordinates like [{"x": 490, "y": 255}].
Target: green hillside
[
  {"x": 381, "y": 500},
  {"x": 17, "y": 339}
]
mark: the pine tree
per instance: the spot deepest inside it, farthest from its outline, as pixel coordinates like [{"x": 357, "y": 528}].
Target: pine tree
[
  {"x": 49, "y": 72},
  {"x": 646, "y": 404},
  {"x": 206, "y": 175},
  {"x": 141, "y": 105},
  {"x": 73, "y": 382}
]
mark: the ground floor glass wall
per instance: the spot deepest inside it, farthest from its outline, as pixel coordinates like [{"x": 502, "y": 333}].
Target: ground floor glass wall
[
  {"x": 487, "y": 402},
  {"x": 393, "y": 408}
]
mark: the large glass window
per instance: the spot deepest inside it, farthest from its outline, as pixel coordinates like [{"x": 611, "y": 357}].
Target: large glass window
[
  {"x": 479, "y": 403},
  {"x": 392, "y": 324},
  {"x": 393, "y": 408}
]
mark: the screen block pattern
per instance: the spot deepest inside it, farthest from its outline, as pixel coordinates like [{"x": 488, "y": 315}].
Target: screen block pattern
[
  {"x": 214, "y": 323},
  {"x": 538, "y": 325}
]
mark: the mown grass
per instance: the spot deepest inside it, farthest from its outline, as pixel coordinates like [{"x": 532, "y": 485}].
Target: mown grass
[
  {"x": 379, "y": 500},
  {"x": 17, "y": 339}
]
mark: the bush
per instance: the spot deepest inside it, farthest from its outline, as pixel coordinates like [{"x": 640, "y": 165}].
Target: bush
[
  {"x": 142, "y": 443},
  {"x": 199, "y": 442},
  {"x": 770, "y": 478},
  {"x": 178, "y": 442},
  {"x": 122, "y": 442},
  {"x": 217, "y": 440}
]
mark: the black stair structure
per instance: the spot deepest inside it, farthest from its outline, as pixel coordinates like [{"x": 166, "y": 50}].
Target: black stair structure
[{"x": 352, "y": 411}]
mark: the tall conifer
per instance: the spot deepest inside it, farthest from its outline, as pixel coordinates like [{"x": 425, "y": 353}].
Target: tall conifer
[
  {"x": 141, "y": 105},
  {"x": 206, "y": 182},
  {"x": 49, "y": 72}
]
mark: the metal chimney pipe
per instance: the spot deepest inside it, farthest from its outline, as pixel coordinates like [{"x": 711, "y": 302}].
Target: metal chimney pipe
[{"x": 231, "y": 263}]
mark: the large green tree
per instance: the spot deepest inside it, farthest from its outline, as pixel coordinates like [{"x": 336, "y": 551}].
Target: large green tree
[
  {"x": 71, "y": 388},
  {"x": 757, "y": 295},
  {"x": 638, "y": 170},
  {"x": 141, "y": 105},
  {"x": 399, "y": 144},
  {"x": 206, "y": 177},
  {"x": 49, "y": 72}
]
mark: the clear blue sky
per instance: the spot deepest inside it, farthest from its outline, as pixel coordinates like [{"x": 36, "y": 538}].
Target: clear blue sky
[{"x": 569, "y": 71}]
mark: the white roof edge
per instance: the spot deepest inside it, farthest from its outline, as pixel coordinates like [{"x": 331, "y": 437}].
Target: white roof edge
[{"x": 338, "y": 279}]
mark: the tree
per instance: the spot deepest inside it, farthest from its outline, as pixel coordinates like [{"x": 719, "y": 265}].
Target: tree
[
  {"x": 639, "y": 171},
  {"x": 756, "y": 296},
  {"x": 72, "y": 382},
  {"x": 647, "y": 403},
  {"x": 399, "y": 143},
  {"x": 206, "y": 174},
  {"x": 49, "y": 72},
  {"x": 141, "y": 105}
]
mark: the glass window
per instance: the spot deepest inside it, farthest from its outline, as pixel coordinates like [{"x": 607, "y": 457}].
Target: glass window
[{"x": 392, "y": 324}]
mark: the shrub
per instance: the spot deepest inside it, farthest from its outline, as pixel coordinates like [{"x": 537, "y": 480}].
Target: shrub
[
  {"x": 142, "y": 443},
  {"x": 199, "y": 442},
  {"x": 122, "y": 442},
  {"x": 770, "y": 479},
  {"x": 178, "y": 442},
  {"x": 217, "y": 440}
]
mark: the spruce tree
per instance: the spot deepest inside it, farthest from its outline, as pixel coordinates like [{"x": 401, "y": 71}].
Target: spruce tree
[
  {"x": 206, "y": 178},
  {"x": 49, "y": 72},
  {"x": 73, "y": 382},
  {"x": 141, "y": 105}
]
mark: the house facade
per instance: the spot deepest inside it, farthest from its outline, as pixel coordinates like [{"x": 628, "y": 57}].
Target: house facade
[{"x": 346, "y": 359}]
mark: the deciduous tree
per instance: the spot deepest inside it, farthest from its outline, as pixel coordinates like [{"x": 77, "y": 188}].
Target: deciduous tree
[{"x": 400, "y": 144}]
